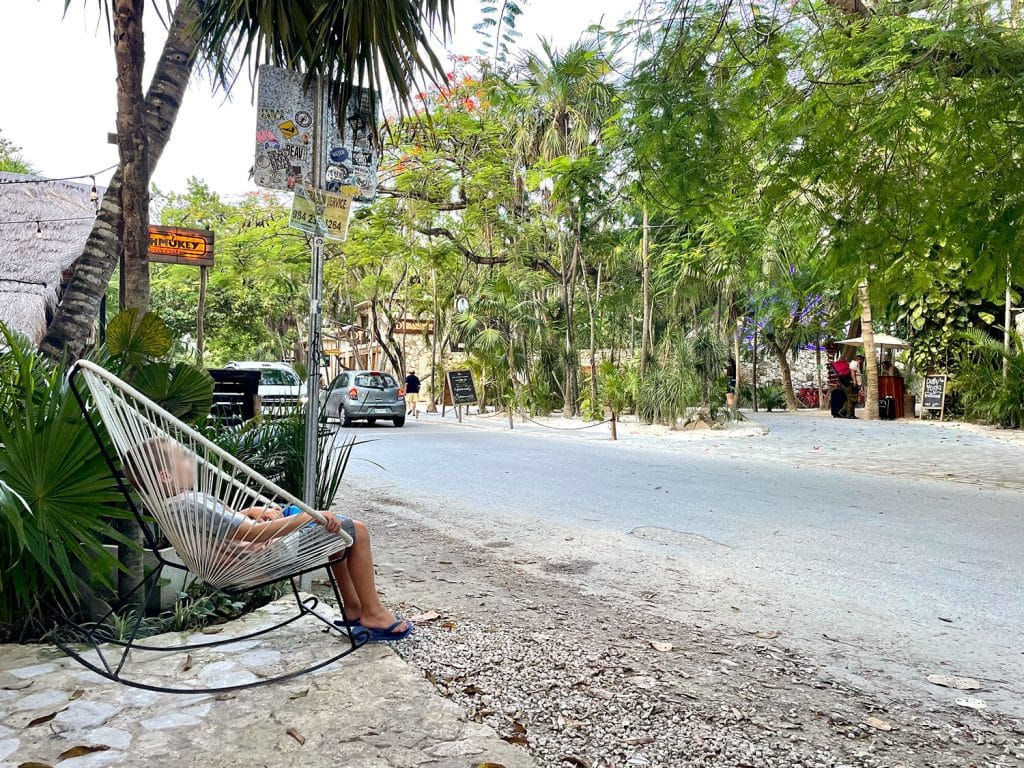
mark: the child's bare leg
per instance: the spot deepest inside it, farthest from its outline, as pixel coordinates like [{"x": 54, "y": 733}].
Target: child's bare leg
[
  {"x": 358, "y": 567},
  {"x": 353, "y": 607}
]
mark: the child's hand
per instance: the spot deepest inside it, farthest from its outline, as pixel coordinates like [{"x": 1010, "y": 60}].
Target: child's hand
[
  {"x": 331, "y": 523},
  {"x": 271, "y": 513}
]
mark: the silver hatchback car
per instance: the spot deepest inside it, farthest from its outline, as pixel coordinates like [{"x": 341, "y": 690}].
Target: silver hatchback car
[{"x": 364, "y": 396}]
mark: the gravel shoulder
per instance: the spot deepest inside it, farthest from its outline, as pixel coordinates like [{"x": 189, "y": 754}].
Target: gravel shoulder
[{"x": 537, "y": 644}]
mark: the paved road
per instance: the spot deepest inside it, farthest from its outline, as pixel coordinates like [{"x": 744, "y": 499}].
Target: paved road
[{"x": 873, "y": 558}]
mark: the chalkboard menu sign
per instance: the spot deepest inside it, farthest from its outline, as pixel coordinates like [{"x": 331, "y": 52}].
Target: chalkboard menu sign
[
  {"x": 460, "y": 385},
  {"x": 933, "y": 396}
]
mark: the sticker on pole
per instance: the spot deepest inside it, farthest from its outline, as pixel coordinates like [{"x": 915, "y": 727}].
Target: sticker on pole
[{"x": 321, "y": 213}]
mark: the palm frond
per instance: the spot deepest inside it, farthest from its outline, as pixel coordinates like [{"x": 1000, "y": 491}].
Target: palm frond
[{"x": 384, "y": 45}]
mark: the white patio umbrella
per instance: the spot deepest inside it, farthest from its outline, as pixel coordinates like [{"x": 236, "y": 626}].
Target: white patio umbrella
[{"x": 882, "y": 341}]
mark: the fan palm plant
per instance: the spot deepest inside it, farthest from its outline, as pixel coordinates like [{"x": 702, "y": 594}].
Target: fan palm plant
[{"x": 56, "y": 492}]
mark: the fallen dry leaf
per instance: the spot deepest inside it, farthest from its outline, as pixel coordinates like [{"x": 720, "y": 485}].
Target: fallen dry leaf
[
  {"x": 878, "y": 724},
  {"x": 33, "y": 764},
  {"x": 294, "y": 733},
  {"x": 16, "y": 685},
  {"x": 579, "y": 762},
  {"x": 299, "y": 694},
  {"x": 44, "y": 718},
  {"x": 78, "y": 694},
  {"x": 518, "y": 727},
  {"x": 449, "y": 625},
  {"x": 82, "y": 749},
  {"x": 211, "y": 630},
  {"x": 188, "y": 663},
  {"x": 660, "y": 646},
  {"x": 515, "y": 738},
  {"x": 224, "y": 697},
  {"x": 423, "y": 618},
  {"x": 489, "y": 765},
  {"x": 955, "y": 681}
]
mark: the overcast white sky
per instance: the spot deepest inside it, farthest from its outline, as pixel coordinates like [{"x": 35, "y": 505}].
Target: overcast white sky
[{"x": 57, "y": 98}]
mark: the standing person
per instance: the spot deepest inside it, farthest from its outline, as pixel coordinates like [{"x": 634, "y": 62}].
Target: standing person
[
  {"x": 412, "y": 394},
  {"x": 730, "y": 382},
  {"x": 857, "y": 371}
]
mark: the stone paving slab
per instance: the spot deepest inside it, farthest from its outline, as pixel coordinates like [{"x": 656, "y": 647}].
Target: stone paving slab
[{"x": 370, "y": 710}]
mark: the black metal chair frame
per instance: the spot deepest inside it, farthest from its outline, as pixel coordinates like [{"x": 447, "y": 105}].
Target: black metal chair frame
[{"x": 96, "y": 634}]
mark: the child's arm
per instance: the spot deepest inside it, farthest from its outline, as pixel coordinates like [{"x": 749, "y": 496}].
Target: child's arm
[
  {"x": 255, "y": 531},
  {"x": 262, "y": 513}
]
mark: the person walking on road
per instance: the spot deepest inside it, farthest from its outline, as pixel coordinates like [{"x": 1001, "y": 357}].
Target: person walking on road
[{"x": 412, "y": 394}]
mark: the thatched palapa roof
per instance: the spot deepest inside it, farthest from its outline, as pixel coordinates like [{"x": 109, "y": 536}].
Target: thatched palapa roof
[{"x": 31, "y": 266}]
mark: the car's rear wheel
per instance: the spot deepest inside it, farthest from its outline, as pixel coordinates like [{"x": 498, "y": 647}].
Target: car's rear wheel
[
  {"x": 371, "y": 422},
  {"x": 346, "y": 420},
  {"x": 399, "y": 421}
]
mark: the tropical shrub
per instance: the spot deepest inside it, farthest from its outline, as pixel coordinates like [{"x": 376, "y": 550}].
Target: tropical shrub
[
  {"x": 771, "y": 397},
  {"x": 57, "y": 495},
  {"x": 985, "y": 394}
]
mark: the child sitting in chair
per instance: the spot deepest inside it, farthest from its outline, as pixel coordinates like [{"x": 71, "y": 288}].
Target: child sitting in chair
[{"x": 160, "y": 467}]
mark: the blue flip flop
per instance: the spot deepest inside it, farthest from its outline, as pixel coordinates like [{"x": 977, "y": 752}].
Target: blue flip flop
[{"x": 388, "y": 635}]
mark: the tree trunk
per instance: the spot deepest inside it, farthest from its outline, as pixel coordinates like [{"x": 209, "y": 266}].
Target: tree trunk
[
  {"x": 72, "y": 324},
  {"x": 432, "y": 405},
  {"x": 870, "y": 372},
  {"x": 570, "y": 389},
  {"x": 133, "y": 231},
  {"x": 129, "y": 52},
  {"x": 645, "y": 267},
  {"x": 782, "y": 355}
]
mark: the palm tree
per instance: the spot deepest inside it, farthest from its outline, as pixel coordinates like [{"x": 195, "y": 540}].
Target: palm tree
[
  {"x": 559, "y": 107},
  {"x": 344, "y": 42}
]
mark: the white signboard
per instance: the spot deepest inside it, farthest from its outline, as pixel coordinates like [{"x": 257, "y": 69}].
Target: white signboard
[
  {"x": 285, "y": 140},
  {"x": 321, "y": 213}
]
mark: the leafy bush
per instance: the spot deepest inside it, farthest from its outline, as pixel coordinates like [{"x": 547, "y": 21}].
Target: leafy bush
[
  {"x": 671, "y": 385},
  {"x": 771, "y": 397},
  {"x": 985, "y": 395}
]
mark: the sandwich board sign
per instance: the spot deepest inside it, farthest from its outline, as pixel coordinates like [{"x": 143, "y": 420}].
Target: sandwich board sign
[
  {"x": 321, "y": 213},
  {"x": 933, "y": 394},
  {"x": 461, "y": 389},
  {"x": 286, "y": 137}
]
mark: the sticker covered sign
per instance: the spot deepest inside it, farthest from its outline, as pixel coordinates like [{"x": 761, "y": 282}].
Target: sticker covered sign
[{"x": 286, "y": 138}]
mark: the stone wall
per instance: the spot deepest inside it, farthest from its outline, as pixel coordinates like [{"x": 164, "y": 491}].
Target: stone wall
[{"x": 804, "y": 370}]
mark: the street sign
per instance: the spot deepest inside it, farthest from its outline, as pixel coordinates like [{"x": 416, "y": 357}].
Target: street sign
[
  {"x": 286, "y": 138},
  {"x": 461, "y": 387},
  {"x": 175, "y": 245},
  {"x": 321, "y": 213}
]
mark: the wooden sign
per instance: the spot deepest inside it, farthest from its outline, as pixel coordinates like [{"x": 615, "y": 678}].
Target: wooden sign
[
  {"x": 175, "y": 245},
  {"x": 933, "y": 394},
  {"x": 461, "y": 388}
]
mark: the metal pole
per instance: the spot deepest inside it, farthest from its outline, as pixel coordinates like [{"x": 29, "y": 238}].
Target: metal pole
[
  {"x": 200, "y": 330},
  {"x": 316, "y": 289}
]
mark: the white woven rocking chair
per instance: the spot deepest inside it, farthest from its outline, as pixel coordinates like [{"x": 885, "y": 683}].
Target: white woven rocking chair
[{"x": 189, "y": 486}]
